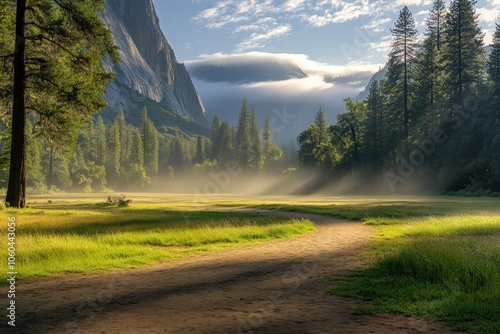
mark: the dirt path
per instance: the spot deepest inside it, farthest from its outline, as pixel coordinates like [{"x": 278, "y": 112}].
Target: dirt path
[{"x": 276, "y": 287}]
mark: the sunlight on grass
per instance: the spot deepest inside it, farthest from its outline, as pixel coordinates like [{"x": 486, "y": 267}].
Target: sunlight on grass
[
  {"x": 437, "y": 257},
  {"x": 93, "y": 237},
  {"x": 447, "y": 226}
]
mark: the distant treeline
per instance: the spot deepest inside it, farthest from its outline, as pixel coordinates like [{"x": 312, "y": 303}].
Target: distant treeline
[
  {"x": 432, "y": 123},
  {"x": 119, "y": 156}
]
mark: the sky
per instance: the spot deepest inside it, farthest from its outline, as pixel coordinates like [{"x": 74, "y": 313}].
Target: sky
[
  {"x": 338, "y": 44},
  {"x": 337, "y": 32}
]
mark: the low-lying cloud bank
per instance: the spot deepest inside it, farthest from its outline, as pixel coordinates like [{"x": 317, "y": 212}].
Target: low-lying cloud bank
[{"x": 276, "y": 84}]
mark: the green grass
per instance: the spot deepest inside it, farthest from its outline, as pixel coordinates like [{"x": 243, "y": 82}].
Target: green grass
[
  {"x": 73, "y": 237},
  {"x": 437, "y": 257},
  {"x": 443, "y": 265}
]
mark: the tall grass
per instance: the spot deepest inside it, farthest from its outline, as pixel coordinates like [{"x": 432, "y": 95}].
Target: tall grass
[
  {"x": 446, "y": 268},
  {"x": 437, "y": 257},
  {"x": 86, "y": 237}
]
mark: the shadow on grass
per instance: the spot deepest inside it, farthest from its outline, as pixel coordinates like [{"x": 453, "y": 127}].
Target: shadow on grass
[
  {"x": 131, "y": 220},
  {"x": 395, "y": 209}
]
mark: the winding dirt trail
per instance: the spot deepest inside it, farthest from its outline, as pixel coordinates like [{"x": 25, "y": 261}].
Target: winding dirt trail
[{"x": 277, "y": 287}]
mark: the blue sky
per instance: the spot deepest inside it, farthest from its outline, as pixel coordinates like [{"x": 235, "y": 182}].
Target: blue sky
[{"x": 335, "y": 32}]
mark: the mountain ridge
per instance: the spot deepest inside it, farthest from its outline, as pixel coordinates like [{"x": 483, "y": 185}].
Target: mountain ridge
[{"x": 148, "y": 65}]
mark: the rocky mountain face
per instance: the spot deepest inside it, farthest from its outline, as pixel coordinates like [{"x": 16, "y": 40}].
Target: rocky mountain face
[
  {"x": 380, "y": 75},
  {"x": 148, "y": 66}
]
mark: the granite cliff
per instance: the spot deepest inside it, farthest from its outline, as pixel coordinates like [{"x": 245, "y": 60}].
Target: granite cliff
[{"x": 149, "y": 72}]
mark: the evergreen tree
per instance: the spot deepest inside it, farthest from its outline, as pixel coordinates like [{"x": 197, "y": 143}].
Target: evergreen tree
[
  {"x": 401, "y": 62},
  {"x": 494, "y": 72},
  {"x": 151, "y": 144},
  {"x": 216, "y": 125},
  {"x": 125, "y": 142},
  {"x": 374, "y": 126},
  {"x": 271, "y": 152},
  {"x": 322, "y": 127},
  {"x": 200, "y": 151},
  {"x": 428, "y": 74},
  {"x": 244, "y": 138},
  {"x": 322, "y": 148},
  {"x": 137, "y": 150},
  {"x": 463, "y": 54},
  {"x": 256, "y": 148},
  {"x": 178, "y": 157},
  {"x": 113, "y": 165},
  {"x": 35, "y": 176},
  {"x": 52, "y": 38},
  {"x": 136, "y": 172},
  {"x": 267, "y": 138},
  {"x": 435, "y": 24},
  {"x": 226, "y": 153},
  {"x": 100, "y": 141}
]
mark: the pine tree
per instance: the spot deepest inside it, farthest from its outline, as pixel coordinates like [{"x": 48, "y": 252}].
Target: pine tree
[
  {"x": 178, "y": 157},
  {"x": 428, "y": 73},
  {"x": 124, "y": 137},
  {"x": 200, "y": 150},
  {"x": 226, "y": 153},
  {"x": 271, "y": 152},
  {"x": 151, "y": 144},
  {"x": 113, "y": 165},
  {"x": 57, "y": 62},
  {"x": 256, "y": 148},
  {"x": 35, "y": 177},
  {"x": 494, "y": 72},
  {"x": 216, "y": 125},
  {"x": 137, "y": 150},
  {"x": 374, "y": 126},
  {"x": 321, "y": 126},
  {"x": 100, "y": 141},
  {"x": 267, "y": 137},
  {"x": 244, "y": 138},
  {"x": 136, "y": 173},
  {"x": 435, "y": 24},
  {"x": 401, "y": 62},
  {"x": 463, "y": 54}
]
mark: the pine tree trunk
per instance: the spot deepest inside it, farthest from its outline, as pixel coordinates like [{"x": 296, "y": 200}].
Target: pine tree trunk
[{"x": 16, "y": 191}]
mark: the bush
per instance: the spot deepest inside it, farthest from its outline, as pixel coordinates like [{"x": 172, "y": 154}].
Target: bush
[{"x": 121, "y": 201}]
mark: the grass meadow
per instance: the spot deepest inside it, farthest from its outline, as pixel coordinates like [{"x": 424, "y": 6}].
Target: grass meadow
[
  {"x": 83, "y": 235},
  {"x": 437, "y": 257}
]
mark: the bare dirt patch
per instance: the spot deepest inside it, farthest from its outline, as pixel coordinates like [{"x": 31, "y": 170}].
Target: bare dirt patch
[{"x": 277, "y": 287}]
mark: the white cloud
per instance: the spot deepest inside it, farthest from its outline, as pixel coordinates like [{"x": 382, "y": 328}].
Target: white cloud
[
  {"x": 256, "y": 39},
  {"x": 254, "y": 24},
  {"x": 343, "y": 11},
  {"x": 311, "y": 67},
  {"x": 377, "y": 26},
  {"x": 294, "y": 5}
]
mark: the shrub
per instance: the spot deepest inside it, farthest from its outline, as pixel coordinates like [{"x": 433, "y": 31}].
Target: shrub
[{"x": 121, "y": 201}]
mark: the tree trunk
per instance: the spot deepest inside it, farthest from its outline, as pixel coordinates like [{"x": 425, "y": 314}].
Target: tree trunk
[{"x": 16, "y": 191}]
